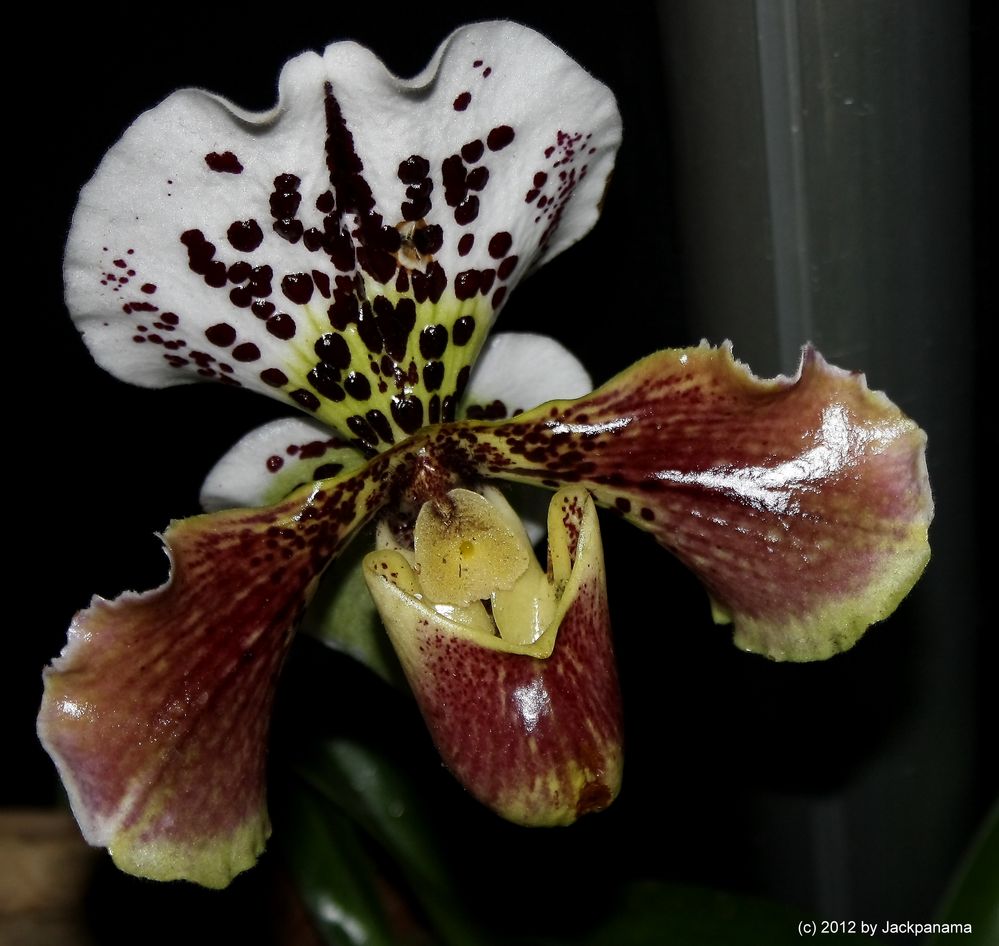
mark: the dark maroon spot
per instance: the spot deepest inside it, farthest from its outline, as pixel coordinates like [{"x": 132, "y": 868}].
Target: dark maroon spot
[
  {"x": 430, "y": 284},
  {"x": 241, "y": 297},
  {"x": 472, "y": 151},
  {"x": 260, "y": 280},
  {"x": 487, "y": 72},
  {"x": 290, "y": 229},
  {"x": 325, "y": 202},
  {"x": 286, "y": 183},
  {"x": 216, "y": 275},
  {"x": 465, "y": 244},
  {"x": 434, "y": 410},
  {"x": 170, "y": 318},
  {"x": 239, "y": 272},
  {"x": 428, "y": 240},
  {"x": 647, "y": 514},
  {"x": 274, "y": 463},
  {"x": 453, "y": 175},
  {"x": 275, "y": 377},
  {"x": 327, "y": 470},
  {"x": 414, "y": 169},
  {"x": 477, "y": 178},
  {"x": 623, "y": 504},
  {"x": 222, "y": 334},
  {"x": 333, "y": 349},
  {"x": 148, "y": 288},
  {"x": 463, "y": 329},
  {"x": 477, "y": 63},
  {"x": 246, "y": 352},
  {"x": 507, "y": 267},
  {"x": 325, "y": 379},
  {"x": 262, "y": 309},
  {"x": 245, "y": 235},
  {"x": 364, "y": 431},
  {"x": 199, "y": 251},
  {"x": 462, "y": 381},
  {"x": 307, "y": 399},
  {"x": 378, "y": 264},
  {"x": 313, "y": 239},
  {"x": 498, "y": 296},
  {"x": 380, "y": 424},
  {"x": 486, "y": 277},
  {"x": 433, "y": 376},
  {"x": 448, "y": 406},
  {"x": 367, "y": 329},
  {"x": 433, "y": 341},
  {"x": 358, "y": 386},
  {"x": 466, "y": 284},
  {"x": 224, "y": 163},
  {"x": 322, "y": 282},
  {"x": 407, "y": 411},
  {"x": 499, "y": 137},
  {"x": 419, "y": 204},
  {"x": 500, "y": 244},
  {"x": 467, "y": 210},
  {"x": 297, "y": 287},
  {"x": 311, "y": 450},
  {"x": 462, "y": 101},
  {"x": 281, "y": 326},
  {"x": 285, "y": 199}
]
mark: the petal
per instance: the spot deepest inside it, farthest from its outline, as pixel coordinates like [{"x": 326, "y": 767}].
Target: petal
[
  {"x": 274, "y": 460},
  {"x": 802, "y": 503},
  {"x": 347, "y": 250},
  {"x": 531, "y": 730},
  {"x": 156, "y": 712},
  {"x": 517, "y": 370}
]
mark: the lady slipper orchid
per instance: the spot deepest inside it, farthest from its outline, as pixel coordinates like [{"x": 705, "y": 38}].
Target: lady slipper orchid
[{"x": 346, "y": 252}]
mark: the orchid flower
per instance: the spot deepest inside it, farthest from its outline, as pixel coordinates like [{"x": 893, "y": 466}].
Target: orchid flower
[{"x": 347, "y": 253}]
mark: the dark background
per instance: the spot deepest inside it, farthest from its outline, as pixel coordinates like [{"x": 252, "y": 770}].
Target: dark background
[{"x": 848, "y": 788}]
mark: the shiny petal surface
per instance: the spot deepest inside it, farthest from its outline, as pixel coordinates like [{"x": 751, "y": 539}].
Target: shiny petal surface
[
  {"x": 156, "y": 712},
  {"x": 802, "y": 503},
  {"x": 346, "y": 251},
  {"x": 518, "y": 370},
  {"x": 273, "y": 461},
  {"x": 531, "y": 730}
]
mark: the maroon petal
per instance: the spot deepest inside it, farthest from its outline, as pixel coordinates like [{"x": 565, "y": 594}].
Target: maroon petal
[
  {"x": 802, "y": 503},
  {"x": 156, "y": 712}
]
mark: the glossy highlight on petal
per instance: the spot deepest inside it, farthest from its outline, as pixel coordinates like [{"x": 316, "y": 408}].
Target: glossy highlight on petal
[
  {"x": 531, "y": 728},
  {"x": 156, "y": 712},
  {"x": 802, "y": 503},
  {"x": 346, "y": 251}
]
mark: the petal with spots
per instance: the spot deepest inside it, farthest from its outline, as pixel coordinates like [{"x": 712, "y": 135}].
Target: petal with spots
[
  {"x": 347, "y": 250},
  {"x": 802, "y": 503},
  {"x": 522, "y": 701},
  {"x": 156, "y": 712},
  {"x": 518, "y": 370},
  {"x": 274, "y": 460}
]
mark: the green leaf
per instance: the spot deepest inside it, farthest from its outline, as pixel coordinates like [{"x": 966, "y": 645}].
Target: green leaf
[
  {"x": 343, "y": 616},
  {"x": 973, "y": 896},
  {"x": 371, "y": 790},
  {"x": 333, "y": 873}
]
